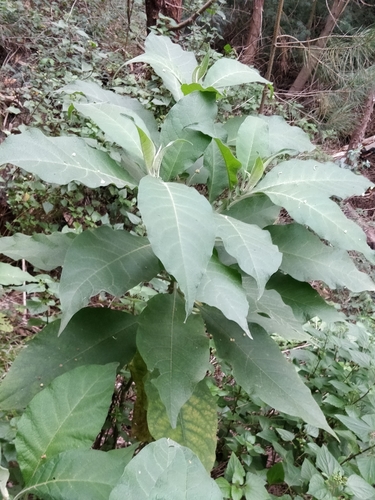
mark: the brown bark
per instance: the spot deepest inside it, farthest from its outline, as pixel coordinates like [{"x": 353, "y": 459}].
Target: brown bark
[
  {"x": 169, "y": 8},
  {"x": 312, "y": 60},
  {"x": 359, "y": 132},
  {"x": 255, "y": 33}
]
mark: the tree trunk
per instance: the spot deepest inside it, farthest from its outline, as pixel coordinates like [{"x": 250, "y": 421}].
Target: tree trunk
[
  {"x": 255, "y": 33},
  {"x": 312, "y": 60},
  {"x": 359, "y": 132},
  {"x": 169, "y": 8}
]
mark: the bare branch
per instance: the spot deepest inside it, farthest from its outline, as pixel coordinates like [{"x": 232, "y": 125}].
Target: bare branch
[{"x": 192, "y": 18}]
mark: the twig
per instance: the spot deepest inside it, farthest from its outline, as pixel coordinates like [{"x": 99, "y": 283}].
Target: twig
[
  {"x": 353, "y": 455},
  {"x": 192, "y": 18}
]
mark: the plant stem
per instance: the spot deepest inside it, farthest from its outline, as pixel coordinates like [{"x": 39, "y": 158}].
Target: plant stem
[{"x": 353, "y": 455}]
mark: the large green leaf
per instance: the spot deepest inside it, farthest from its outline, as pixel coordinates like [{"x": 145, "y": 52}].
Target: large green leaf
[
  {"x": 11, "y": 275},
  {"x": 231, "y": 163},
  {"x": 257, "y": 209},
  {"x": 222, "y": 167},
  {"x": 60, "y": 160},
  {"x": 284, "y": 136},
  {"x": 180, "y": 226},
  {"x": 196, "y": 424},
  {"x": 186, "y": 145},
  {"x": 169, "y": 61},
  {"x": 358, "y": 487},
  {"x": 261, "y": 369},
  {"x": 93, "y": 336},
  {"x": 251, "y": 246},
  {"x": 221, "y": 287},
  {"x": 304, "y": 189},
  {"x": 103, "y": 259},
  {"x": 175, "y": 351},
  {"x": 303, "y": 299},
  {"x": 228, "y": 72},
  {"x": 94, "y": 93},
  {"x": 41, "y": 250},
  {"x": 165, "y": 469},
  {"x": 366, "y": 466},
  {"x": 214, "y": 162},
  {"x": 306, "y": 258},
  {"x": 117, "y": 126},
  {"x": 253, "y": 141},
  {"x": 272, "y": 313},
  {"x": 74, "y": 474},
  {"x": 68, "y": 414}
]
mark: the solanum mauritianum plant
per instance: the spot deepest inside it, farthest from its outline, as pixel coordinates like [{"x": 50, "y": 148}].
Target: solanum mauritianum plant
[{"x": 226, "y": 273}]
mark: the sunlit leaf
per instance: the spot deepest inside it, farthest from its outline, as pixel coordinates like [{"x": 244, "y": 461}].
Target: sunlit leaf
[
  {"x": 228, "y": 72},
  {"x": 60, "y": 160},
  {"x": 196, "y": 423},
  {"x": 304, "y": 188},
  {"x": 251, "y": 246},
  {"x": 180, "y": 226},
  {"x": 169, "y": 61},
  {"x": 165, "y": 469},
  {"x": 306, "y": 258}
]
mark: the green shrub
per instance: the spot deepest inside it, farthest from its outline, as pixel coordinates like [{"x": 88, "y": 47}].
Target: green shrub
[{"x": 208, "y": 246}]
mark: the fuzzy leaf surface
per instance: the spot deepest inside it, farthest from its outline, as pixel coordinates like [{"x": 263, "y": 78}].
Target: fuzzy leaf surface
[
  {"x": 304, "y": 188},
  {"x": 193, "y": 109},
  {"x": 285, "y": 136},
  {"x": 257, "y": 209},
  {"x": 228, "y": 72},
  {"x": 272, "y": 313},
  {"x": 96, "y": 94},
  {"x": 118, "y": 128},
  {"x": 44, "y": 251},
  {"x": 175, "y": 351},
  {"x": 52, "y": 423},
  {"x": 180, "y": 226},
  {"x": 196, "y": 423},
  {"x": 93, "y": 336},
  {"x": 261, "y": 369},
  {"x": 169, "y": 61},
  {"x": 221, "y": 287},
  {"x": 251, "y": 246},
  {"x": 252, "y": 141},
  {"x": 60, "y": 160},
  {"x": 103, "y": 259},
  {"x": 306, "y": 258},
  {"x": 165, "y": 469},
  {"x": 76, "y": 474}
]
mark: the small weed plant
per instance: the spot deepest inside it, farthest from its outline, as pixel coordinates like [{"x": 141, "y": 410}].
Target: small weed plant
[{"x": 206, "y": 283}]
